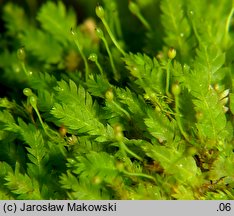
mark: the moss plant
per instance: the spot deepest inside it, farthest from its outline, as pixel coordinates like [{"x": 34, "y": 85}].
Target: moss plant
[{"x": 84, "y": 115}]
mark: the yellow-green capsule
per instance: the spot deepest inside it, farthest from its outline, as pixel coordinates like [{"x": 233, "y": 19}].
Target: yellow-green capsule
[
  {"x": 27, "y": 92},
  {"x": 33, "y": 101},
  {"x": 21, "y": 54},
  {"x": 109, "y": 95},
  {"x": 100, "y": 12},
  {"x": 133, "y": 7},
  {"x": 99, "y": 33},
  {"x": 93, "y": 57},
  {"x": 175, "y": 89},
  {"x": 171, "y": 53}
]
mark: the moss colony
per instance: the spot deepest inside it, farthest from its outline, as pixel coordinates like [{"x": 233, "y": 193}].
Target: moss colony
[{"x": 117, "y": 100}]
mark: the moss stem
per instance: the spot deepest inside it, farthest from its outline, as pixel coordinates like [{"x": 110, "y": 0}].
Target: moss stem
[
  {"x": 178, "y": 119},
  {"x": 75, "y": 38},
  {"x": 126, "y": 149},
  {"x": 112, "y": 37}
]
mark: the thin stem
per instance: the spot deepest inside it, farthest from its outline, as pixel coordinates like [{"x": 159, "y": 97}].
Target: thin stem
[
  {"x": 117, "y": 24},
  {"x": 47, "y": 133},
  {"x": 200, "y": 41},
  {"x": 112, "y": 37},
  {"x": 177, "y": 116},
  {"x": 121, "y": 109},
  {"x": 126, "y": 149},
  {"x": 139, "y": 175},
  {"x": 168, "y": 77},
  {"x": 229, "y": 20},
  {"x": 24, "y": 68},
  {"x": 143, "y": 21},
  {"x": 111, "y": 59},
  {"x": 74, "y": 34},
  {"x": 99, "y": 67},
  {"x": 227, "y": 26},
  {"x": 40, "y": 119},
  {"x": 133, "y": 7}
]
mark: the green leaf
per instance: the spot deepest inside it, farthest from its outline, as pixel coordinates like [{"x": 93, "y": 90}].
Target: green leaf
[
  {"x": 183, "y": 168},
  {"x": 5, "y": 168},
  {"x": 98, "y": 86},
  {"x": 146, "y": 191},
  {"x": 37, "y": 151},
  {"x": 97, "y": 164},
  {"x": 4, "y": 192},
  {"x": 15, "y": 18},
  {"x": 5, "y": 103},
  {"x": 57, "y": 21},
  {"x": 160, "y": 127},
  {"x": 213, "y": 120},
  {"x": 183, "y": 193},
  {"x": 78, "y": 112},
  {"x": 148, "y": 72},
  {"x": 22, "y": 185},
  {"x": 135, "y": 103},
  {"x": 95, "y": 137},
  {"x": 223, "y": 167},
  {"x": 42, "y": 45},
  {"x": 201, "y": 17},
  {"x": 42, "y": 81},
  {"x": 7, "y": 122},
  {"x": 176, "y": 26},
  {"x": 69, "y": 181},
  {"x": 166, "y": 156},
  {"x": 135, "y": 106},
  {"x": 82, "y": 189},
  {"x": 209, "y": 59},
  {"x": 6, "y": 117}
]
